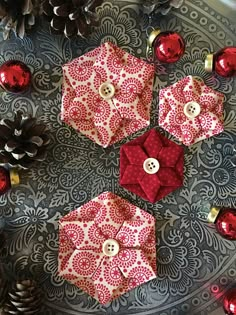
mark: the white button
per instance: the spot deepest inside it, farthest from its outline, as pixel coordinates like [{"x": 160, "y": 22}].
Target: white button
[
  {"x": 151, "y": 166},
  {"x": 110, "y": 247},
  {"x": 192, "y": 109},
  {"x": 106, "y": 90}
]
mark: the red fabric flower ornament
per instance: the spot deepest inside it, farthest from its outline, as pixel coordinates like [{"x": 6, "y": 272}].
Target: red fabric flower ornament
[
  {"x": 107, "y": 94},
  {"x": 190, "y": 110},
  {"x": 107, "y": 247},
  {"x": 151, "y": 166}
]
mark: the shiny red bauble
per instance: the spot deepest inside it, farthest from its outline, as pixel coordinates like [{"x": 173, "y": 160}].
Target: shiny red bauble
[
  {"x": 5, "y": 183},
  {"x": 169, "y": 47},
  {"x": 226, "y": 223},
  {"x": 15, "y": 76},
  {"x": 229, "y": 303},
  {"x": 8, "y": 179},
  {"x": 223, "y": 62}
]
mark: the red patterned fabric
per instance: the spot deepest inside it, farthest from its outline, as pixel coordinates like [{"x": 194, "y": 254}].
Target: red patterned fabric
[
  {"x": 81, "y": 259},
  {"x": 151, "y": 187},
  {"x": 191, "y": 130},
  {"x": 107, "y": 121}
]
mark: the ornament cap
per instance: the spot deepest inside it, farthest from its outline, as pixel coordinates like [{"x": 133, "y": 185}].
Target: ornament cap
[
  {"x": 213, "y": 214},
  {"x": 14, "y": 177},
  {"x": 209, "y": 63},
  {"x": 150, "y": 41},
  {"x": 152, "y": 36}
]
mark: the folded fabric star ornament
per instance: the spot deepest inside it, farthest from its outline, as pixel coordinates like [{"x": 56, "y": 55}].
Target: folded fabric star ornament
[
  {"x": 190, "y": 110},
  {"x": 107, "y": 247},
  {"x": 151, "y": 166},
  {"x": 107, "y": 94}
]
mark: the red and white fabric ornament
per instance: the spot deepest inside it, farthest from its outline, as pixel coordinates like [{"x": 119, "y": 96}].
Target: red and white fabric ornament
[
  {"x": 107, "y": 94},
  {"x": 107, "y": 247},
  {"x": 190, "y": 110}
]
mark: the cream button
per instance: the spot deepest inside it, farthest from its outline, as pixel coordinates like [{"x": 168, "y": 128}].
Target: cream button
[
  {"x": 107, "y": 90},
  {"x": 192, "y": 109},
  {"x": 151, "y": 166},
  {"x": 110, "y": 247}
]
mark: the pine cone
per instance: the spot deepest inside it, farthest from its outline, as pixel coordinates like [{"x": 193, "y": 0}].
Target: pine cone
[
  {"x": 163, "y": 6},
  {"x": 22, "y": 141},
  {"x": 71, "y": 17},
  {"x": 24, "y": 298},
  {"x": 18, "y": 16}
]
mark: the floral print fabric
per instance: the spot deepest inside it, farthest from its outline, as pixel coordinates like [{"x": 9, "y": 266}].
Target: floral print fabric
[
  {"x": 106, "y": 121},
  {"x": 81, "y": 257},
  {"x": 190, "y": 130}
]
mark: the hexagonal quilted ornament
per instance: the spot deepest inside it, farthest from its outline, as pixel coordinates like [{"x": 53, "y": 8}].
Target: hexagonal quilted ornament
[
  {"x": 191, "y": 111},
  {"x": 107, "y": 94},
  {"x": 107, "y": 247}
]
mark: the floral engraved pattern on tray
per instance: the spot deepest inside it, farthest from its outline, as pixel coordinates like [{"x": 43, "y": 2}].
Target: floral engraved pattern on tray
[{"x": 77, "y": 170}]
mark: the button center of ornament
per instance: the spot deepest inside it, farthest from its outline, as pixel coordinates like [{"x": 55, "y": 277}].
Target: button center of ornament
[
  {"x": 151, "y": 166},
  {"x": 110, "y": 247},
  {"x": 106, "y": 90},
  {"x": 192, "y": 109}
]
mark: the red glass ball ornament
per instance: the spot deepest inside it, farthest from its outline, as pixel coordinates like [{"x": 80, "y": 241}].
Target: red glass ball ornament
[
  {"x": 223, "y": 62},
  {"x": 226, "y": 223},
  {"x": 15, "y": 76},
  {"x": 229, "y": 303},
  {"x": 169, "y": 47},
  {"x": 5, "y": 183}
]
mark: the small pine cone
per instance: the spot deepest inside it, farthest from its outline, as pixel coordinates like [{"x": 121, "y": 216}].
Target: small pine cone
[
  {"x": 24, "y": 298},
  {"x": 18, "y": 16},
  {"x": 163, "y": 6},
  {"x": 22, "y": 141},
  {"x": 71, "y": 17}
]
